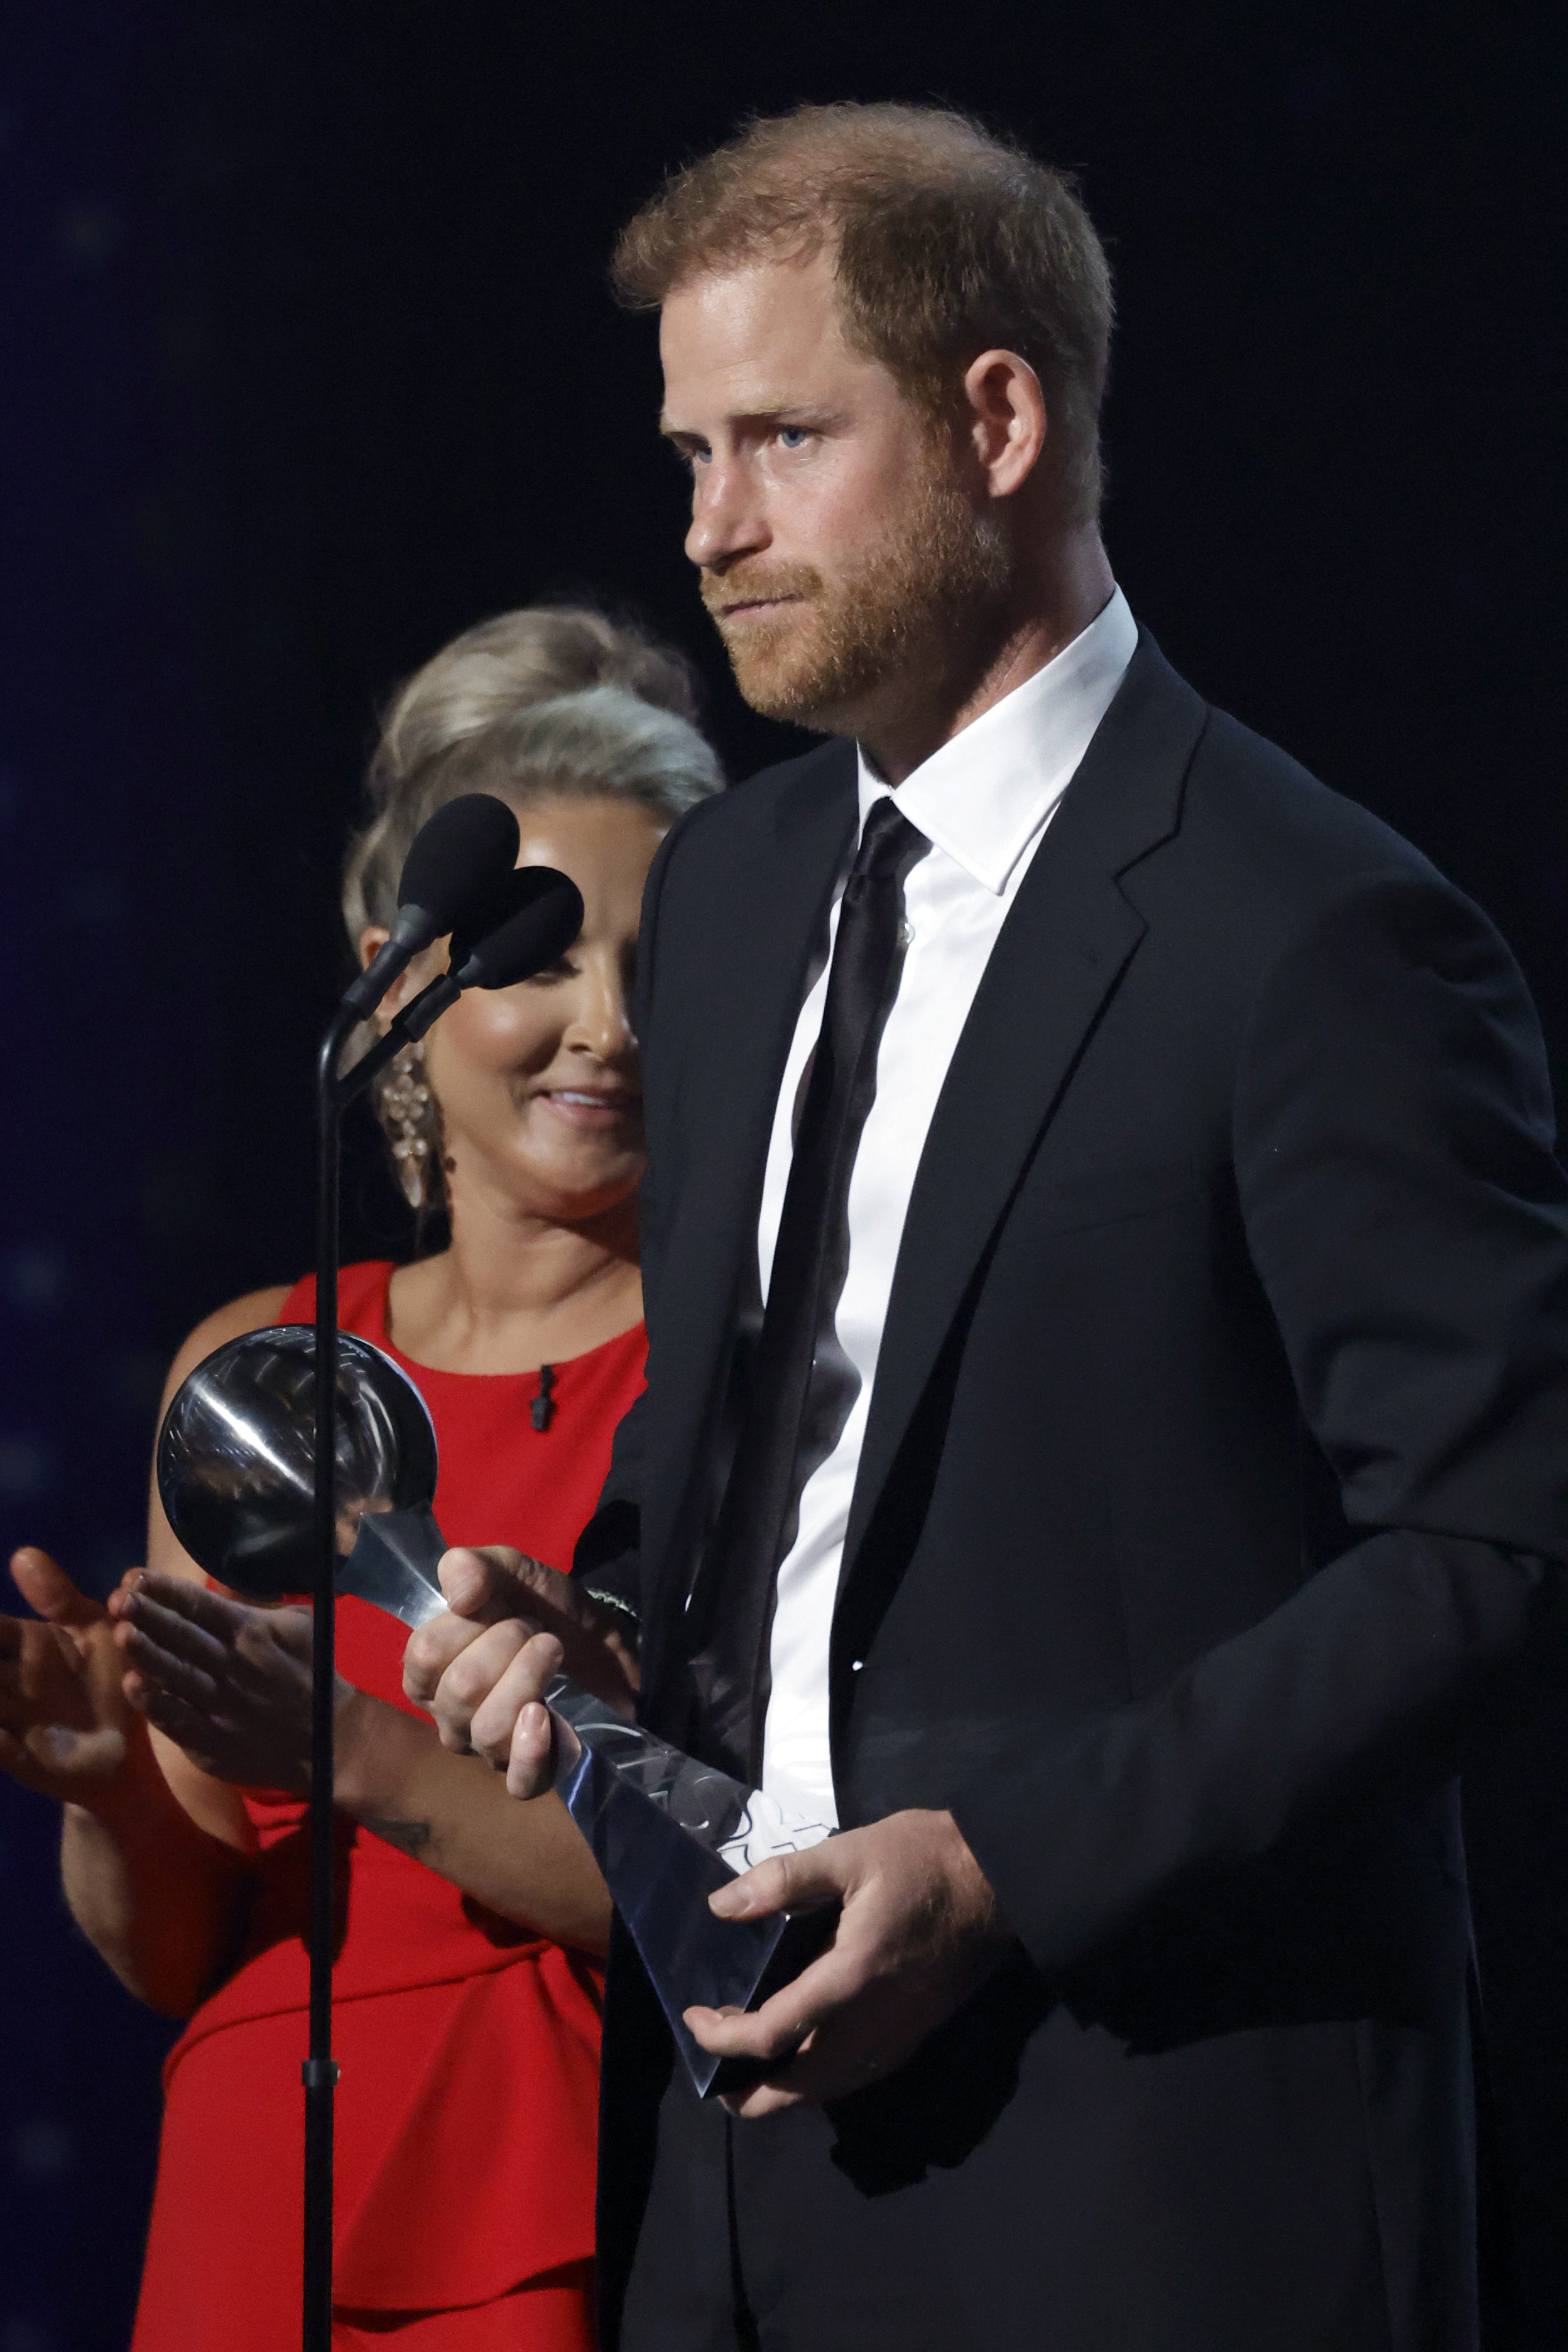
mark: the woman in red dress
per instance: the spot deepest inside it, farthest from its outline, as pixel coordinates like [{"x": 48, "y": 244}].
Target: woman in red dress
[{"x": 465, "y": 1985}]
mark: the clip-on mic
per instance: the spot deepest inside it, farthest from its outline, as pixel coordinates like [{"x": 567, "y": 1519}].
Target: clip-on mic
[{"x": 506, "y": 922}]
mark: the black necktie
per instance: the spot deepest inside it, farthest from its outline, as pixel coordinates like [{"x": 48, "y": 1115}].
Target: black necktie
[{"x": 802, "y": 1386}]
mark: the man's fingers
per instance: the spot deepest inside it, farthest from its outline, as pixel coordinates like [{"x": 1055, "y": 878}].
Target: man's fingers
[
  {"x": 776, "y": 2032},
  {"x": 484, "y": 1582},
  {"x": 785, "y": 1882},
  {"x": 530, "y": 1759},
  {"x": 556, "y": 1604},
  {"x": 48, "y": 1591},
  {"x": 471, "y": 1678},
  {"x": 526, "y": 1679},
  {"x": 430, "y": 1650}
]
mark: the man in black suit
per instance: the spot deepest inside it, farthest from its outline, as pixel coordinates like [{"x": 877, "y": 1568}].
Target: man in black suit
[{"x": 1107, "y": 1281}]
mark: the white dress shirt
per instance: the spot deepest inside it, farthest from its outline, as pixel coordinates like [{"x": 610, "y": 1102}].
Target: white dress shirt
[{"x": 982, "y": 800}]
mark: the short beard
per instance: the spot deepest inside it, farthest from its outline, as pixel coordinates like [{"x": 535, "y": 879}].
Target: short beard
[{"x": 911, "y": 617}]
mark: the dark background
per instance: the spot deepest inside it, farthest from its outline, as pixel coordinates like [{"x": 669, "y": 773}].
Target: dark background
[{"x": 309, "y": 362}]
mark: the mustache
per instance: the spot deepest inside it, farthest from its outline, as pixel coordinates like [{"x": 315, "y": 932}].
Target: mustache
[{"x": 743, "y": 583}]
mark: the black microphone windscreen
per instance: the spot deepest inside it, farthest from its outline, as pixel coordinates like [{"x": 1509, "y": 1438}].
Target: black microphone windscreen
[
  {"x": 459, "y": 854},
  {"x": 543, "y": 919}
]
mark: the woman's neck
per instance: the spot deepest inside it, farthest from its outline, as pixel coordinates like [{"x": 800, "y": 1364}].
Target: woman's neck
[{"x": 514, "y": 1291}]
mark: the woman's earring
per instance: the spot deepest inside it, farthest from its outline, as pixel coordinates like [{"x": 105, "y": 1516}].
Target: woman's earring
[{"x": 410, "y": 1109}]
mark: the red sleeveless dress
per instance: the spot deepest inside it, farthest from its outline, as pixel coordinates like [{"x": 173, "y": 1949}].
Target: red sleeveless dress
[{"x": 467, "y": 2109}]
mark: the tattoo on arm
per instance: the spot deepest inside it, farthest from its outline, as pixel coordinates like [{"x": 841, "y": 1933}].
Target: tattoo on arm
[{"x": 408, "y": 1837}]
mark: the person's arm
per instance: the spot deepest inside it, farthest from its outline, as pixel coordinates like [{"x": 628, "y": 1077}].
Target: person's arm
[
  {"x": 161, "y": 1900},
  {"x": 1408, "y": 1224},
  {"x": 155, "y": 1894},
  {"x": 231, "y": 1686},
  {"x": 529, "y": 1863},
  {"x": 156, "y": 1860}
]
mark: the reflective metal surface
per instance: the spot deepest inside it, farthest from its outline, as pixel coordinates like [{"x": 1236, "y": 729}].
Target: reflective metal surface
[{"x": 234, "y": 1461}]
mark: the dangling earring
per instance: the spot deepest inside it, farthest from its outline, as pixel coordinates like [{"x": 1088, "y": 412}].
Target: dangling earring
[{"x": 409, "y": 1110}]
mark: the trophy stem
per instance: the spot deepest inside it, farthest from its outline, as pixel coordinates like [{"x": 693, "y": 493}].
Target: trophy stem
[{"x": 665, "y": 1830}]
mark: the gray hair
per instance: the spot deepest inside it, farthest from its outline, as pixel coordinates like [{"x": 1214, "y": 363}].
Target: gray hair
[{"x": 549, "y": 700}]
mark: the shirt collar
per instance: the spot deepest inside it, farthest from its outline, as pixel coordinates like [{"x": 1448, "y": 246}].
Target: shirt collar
[{"x": 984, "y": 795}]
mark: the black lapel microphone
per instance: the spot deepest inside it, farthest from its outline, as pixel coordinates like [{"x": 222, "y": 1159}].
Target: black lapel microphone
[{"x": 458, "y": 861}]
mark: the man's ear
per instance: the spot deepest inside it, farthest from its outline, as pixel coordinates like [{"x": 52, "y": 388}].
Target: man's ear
[{"x": 1007, "y": 425}]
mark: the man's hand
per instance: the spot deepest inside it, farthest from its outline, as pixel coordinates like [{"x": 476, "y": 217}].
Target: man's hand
[
  {"x": 481, "y": 1671},
  {"x": 228, "y": 1682},
  {"x": 918, "y": 1933},
  {"x": 63, "y": 1717}
]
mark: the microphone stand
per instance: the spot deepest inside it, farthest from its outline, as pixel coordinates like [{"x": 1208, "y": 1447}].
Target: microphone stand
[
  {"x": 334, "y": 1092},
  {"x": 319, "y": 2073}
]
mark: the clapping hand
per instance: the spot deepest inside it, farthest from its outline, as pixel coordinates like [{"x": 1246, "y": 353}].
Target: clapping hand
[
  {"x": 229, "y": 1682},
  {"x": 63, "y": 1715}
]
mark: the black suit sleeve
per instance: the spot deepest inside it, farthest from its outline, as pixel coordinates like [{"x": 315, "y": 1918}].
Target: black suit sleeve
[{"x": 1406, "y": 1220}]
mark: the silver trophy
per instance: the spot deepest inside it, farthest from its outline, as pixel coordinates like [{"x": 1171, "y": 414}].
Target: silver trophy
[{"x": 234, "y": 1472}]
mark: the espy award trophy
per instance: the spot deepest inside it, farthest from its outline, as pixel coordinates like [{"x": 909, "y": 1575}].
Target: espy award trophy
[{"x": 234, "y": 1465}]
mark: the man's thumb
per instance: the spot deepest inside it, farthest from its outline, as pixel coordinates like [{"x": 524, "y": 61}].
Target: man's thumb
[
  {"x": 480, "y": 1584},
  {"x": 48, "y": 1591}
]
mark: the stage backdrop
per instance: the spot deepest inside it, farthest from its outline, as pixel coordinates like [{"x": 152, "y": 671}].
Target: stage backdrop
[{"x": 310, "y": 362}]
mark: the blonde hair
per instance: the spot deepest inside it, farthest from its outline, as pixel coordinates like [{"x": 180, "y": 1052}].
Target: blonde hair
[
  {"x": 947, "y": 239},
  {"x": 550, "y": 698}
]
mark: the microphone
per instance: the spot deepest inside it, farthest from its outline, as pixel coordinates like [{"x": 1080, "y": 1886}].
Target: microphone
[
  {"x": 529, "y": 922},
  {"x": 528, "y": 926},
  {"x": 456, "y": 865}
]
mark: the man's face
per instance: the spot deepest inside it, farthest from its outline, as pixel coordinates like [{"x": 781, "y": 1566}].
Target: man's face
[{"x": 840, "y": 558}]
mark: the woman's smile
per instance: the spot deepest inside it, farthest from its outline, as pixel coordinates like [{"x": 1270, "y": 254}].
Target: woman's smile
[{"x": 590, "y": 1107}]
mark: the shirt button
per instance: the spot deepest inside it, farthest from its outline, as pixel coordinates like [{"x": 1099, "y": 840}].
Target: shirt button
[
  {"x": 906, "y": 934},
  {"x": 856, "y": 1664}
]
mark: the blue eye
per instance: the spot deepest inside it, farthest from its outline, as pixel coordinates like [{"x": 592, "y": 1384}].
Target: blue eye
[{"x": 793, "y": 437}]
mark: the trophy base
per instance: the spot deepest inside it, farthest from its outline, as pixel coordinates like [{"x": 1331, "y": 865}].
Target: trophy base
[
  {"x": 661, "y": 1878},
  {"x": 665, "y": 1830}
]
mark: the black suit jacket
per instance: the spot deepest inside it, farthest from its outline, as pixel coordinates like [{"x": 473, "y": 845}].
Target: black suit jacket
[{"x": 1214, "y": 1487}]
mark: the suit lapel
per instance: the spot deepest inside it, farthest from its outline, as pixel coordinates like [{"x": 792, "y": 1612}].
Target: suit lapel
[
  {"x": 1061, "y": 952},
  {"x": 759, "y": 932}
]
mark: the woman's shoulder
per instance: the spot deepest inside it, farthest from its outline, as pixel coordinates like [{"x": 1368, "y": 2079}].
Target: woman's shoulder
[
  {"x": 258, "y": 1309},
  {"x": 362, "y": 1297},
  {"x": 254, "y": 1312}
]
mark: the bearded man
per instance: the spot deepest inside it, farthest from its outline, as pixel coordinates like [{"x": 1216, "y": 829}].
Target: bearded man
[{"x": 1107, "y": 1278}]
